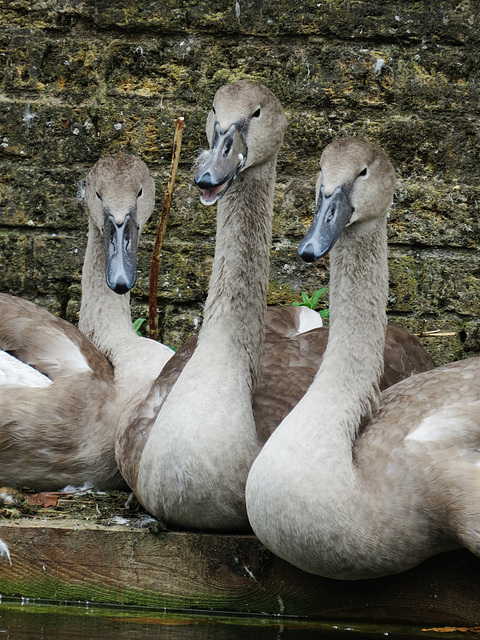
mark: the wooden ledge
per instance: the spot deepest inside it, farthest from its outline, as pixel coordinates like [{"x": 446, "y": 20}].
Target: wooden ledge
[{"x": 120, "y": 564}]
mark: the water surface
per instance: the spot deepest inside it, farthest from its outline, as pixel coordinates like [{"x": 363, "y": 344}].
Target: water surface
[{"x": 25, "y": 620}]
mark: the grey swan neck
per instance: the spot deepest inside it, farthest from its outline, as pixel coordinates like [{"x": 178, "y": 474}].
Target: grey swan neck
[
  {"x": 349, "y": 377},
  {"x": 317, "y": 444},
  {"x": 105, "y": 318},
  {"x": 347, "y": 383},
  {"x": 104, "y": 315},
  {"x": 195, "y": 463},
  {"x": 239, "y": 280}
]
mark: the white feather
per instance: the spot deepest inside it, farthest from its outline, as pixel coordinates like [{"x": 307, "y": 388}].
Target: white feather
[{"x": 15, "y": 372}]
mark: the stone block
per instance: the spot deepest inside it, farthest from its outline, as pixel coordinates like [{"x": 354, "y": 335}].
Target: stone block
[
  {"x": 82, "y": 80},
  {"x": 13, "y": 262}
]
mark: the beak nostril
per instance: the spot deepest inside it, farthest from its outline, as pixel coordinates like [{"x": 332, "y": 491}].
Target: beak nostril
[{"x": 227, "y": 148}]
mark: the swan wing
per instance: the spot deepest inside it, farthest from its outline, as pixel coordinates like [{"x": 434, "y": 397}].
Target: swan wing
[{"x": 49, "y": 344}]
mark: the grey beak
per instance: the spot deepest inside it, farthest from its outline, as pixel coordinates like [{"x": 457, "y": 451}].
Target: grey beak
[
  {"x": 121, "y": 245},
  {"x": 332, "y": 215}
]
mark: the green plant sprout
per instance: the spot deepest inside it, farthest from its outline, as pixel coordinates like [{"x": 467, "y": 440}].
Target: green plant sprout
[
  {"x": 312, "y": 302},
  {"x": 137, "y": 324}
]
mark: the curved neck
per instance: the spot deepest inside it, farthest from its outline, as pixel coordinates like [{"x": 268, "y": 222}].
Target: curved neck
[
  {"x": 348, "y": 380},
  {"x": 236, "y": 302},
  {"x": 105, "y": 317},
  {"x": 315, "y": 441}
]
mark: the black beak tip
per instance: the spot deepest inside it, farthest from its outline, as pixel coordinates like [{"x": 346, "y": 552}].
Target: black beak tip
[
  {"x": 121, "y": 286},
  {"x": 307, "y": 253},
  {"x": 204, "y": 181}
]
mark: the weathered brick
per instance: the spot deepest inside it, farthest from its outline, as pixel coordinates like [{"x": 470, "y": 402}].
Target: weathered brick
[
  {"x": 13, "y": 260},
  {"x": 57, "y": 261},
  {"x": 81, "y": 80}
]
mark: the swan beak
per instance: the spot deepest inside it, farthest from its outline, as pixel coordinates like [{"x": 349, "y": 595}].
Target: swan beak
[
  {"x": 331, "y": 217},
  {"x": 218, "y": 167},
  {"x": 121, "y": 244}
]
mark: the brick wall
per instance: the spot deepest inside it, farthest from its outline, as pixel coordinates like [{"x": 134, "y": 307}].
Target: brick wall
[{"x": 84, "y": 79}]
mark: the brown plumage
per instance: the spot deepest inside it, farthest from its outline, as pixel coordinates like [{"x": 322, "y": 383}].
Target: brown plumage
[
  {"x": 291, "y": 359},
  {"x": 63, "y": 432},
  {"x": 290, "y": 362}
]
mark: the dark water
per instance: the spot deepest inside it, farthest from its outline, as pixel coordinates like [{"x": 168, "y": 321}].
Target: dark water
[{"x": 27, "y": 621}]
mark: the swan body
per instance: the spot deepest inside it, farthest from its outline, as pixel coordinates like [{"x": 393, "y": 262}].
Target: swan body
[
  {"x": 187, "y": 453},
  {"x": 353, "y": 483},
  {"x": 60, "y": 411},
  {"x": 62, "y": 432}
]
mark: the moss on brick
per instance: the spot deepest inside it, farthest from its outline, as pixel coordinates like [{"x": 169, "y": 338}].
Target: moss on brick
[{"x": 81, "y": 80}]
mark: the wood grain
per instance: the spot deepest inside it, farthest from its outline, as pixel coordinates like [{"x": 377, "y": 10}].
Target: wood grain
[{"x": 119, "y": 565}]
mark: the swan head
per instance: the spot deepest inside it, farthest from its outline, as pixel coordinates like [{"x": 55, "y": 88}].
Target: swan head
[
  {"x": 355, "y": 183},
  {"x": 245, "y": 127},
  {"x": 120, "y": 197}
]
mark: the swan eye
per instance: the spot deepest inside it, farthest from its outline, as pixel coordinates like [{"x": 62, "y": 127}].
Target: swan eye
[
  {"x": 363, "y": 173},
  {"x": 257, "y": 113},
  {"x": 213, "y": 109},
  {"x": 98, "y": 195},
  {"x": 140, "y": 193}
]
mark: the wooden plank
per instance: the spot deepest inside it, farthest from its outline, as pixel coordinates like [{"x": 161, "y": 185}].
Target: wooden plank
[{"x": 72, "y": 560}]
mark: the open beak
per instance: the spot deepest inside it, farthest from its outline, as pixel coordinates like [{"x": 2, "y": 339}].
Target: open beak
[
  {"x": 218, "y": 167},
  {"x": 332, "y": 215},
  {"x": 121, "y": 245}
]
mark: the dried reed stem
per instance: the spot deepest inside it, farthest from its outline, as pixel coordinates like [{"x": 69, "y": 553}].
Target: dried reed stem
[{"x": 162, "y": 228}]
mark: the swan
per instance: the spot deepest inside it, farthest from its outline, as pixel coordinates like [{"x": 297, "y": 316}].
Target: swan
[
  {"x": 61, "y": 397},
  {"x": 187, "y": 453},
  {"x": 354, "y": 484},
  {"x": 189, "y": 467}
]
